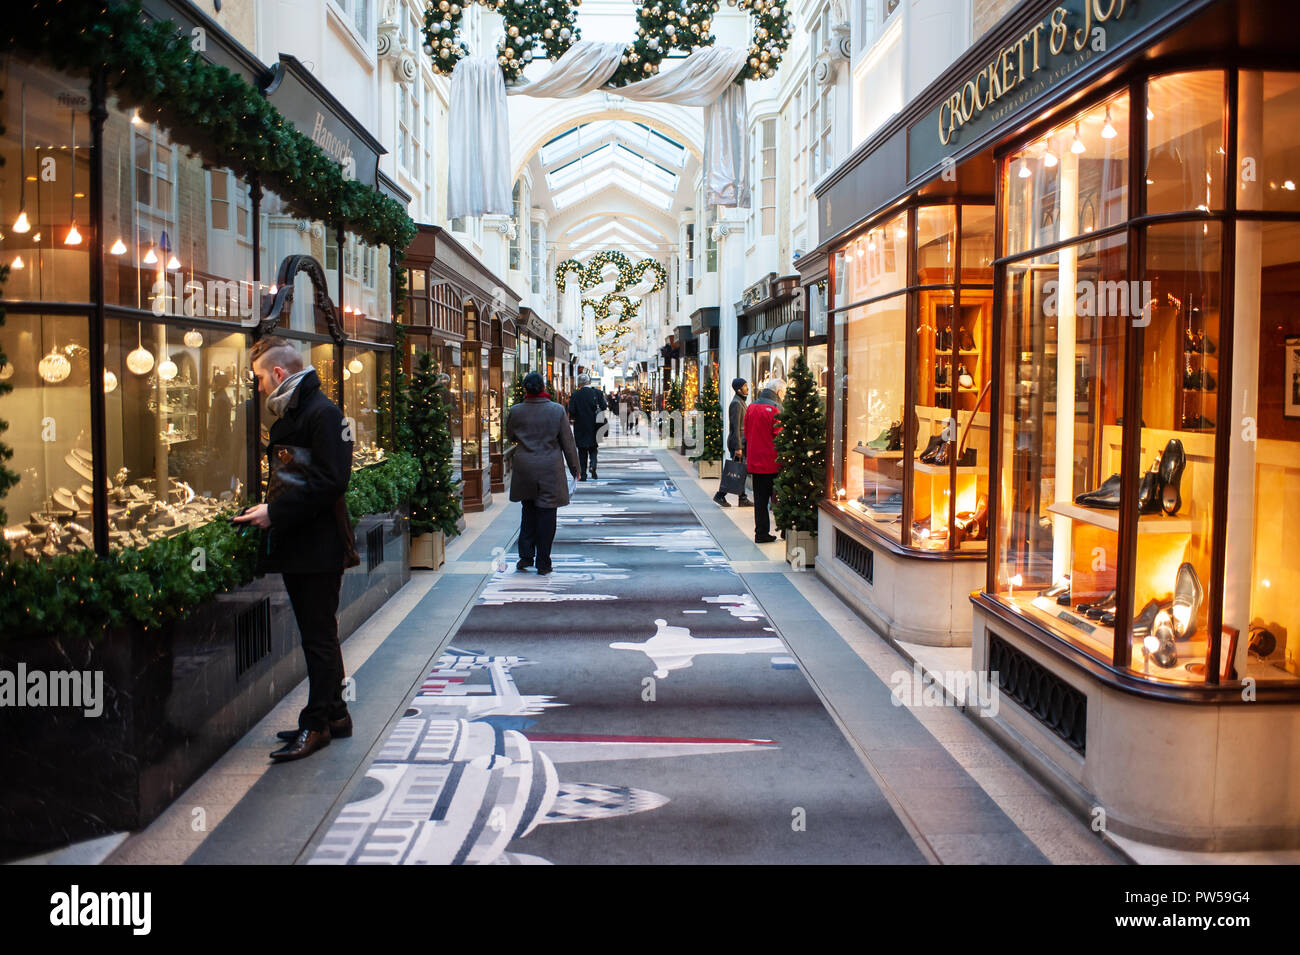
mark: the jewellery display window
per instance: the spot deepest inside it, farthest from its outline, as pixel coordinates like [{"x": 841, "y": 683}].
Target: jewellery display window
[
  {"x": 910, "y": 431},
  {"x": 360, "y": 392},
  {"x": 46, "y": 230},
  {"x": 471, "y": 401},
  {"x": 1118, "y": 559}
]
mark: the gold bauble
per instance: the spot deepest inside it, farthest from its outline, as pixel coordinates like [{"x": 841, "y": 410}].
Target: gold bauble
[
  {"x": 753, "y": 61},
  {"x": 513, "y": 31}
]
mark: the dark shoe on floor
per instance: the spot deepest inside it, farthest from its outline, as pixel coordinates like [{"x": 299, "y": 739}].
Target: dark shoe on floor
[
  {"x": 523, "y": 565},
  {"x": 764, "y": 540},
  {"x": 339, "y": 729},
  {"x": 746, "y": 502},
  {"x": 543, "y": 571},
  {"x": 302, "y": 745},
  {"x": 720, "y": 500}
]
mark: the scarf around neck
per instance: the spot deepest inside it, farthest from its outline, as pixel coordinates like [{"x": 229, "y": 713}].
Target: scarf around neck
[{"x": 285, "y": 396}]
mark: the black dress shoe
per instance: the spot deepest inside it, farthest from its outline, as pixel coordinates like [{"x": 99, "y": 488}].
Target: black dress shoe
[
  {"x": 339, "y": 729},
  {"x": 1172, "y": 462},
  {"x": 720, "y": 500},
  {"x": 1105, "y": 603},
  {"x": 1106, "y": 496},
  {"x": 543, "y": 571},
  {"x": 764, "y": 540},
  {"x": 302, "y": 745},
  {"x": 932, "y": 449},
  {"x": 1146, "y": 617},
  {"x": 1149, "y": 490},
  {"x": 1158, "y": 645},
  {"x": 1188, "y": 594},
  {"x": 1062, "y": 589},
  {"x": 746, "y": 502}
]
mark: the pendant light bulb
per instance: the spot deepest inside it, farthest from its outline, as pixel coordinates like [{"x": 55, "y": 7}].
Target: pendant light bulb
[
  {"x": 1108, "y": 131},
  {"x": 6, "y": 371},
  {"x": 1025, "y": 172},
  {"x": 167, "y": 369},
  {"x": 1151, "y": 114},
  {"x": 1049, "y": 157},
  {"x": 21, "y": 224},
  {"x": 1077, "y": 146},
  {"x": 74, "y": 237},
  {"x": 193, "y": 339},
  {"x": 149, "y": 257},
  {"x": 173, "y": 263},
  {"x": 17, "y": 263},
  {"x": 110, "y": 382},
  {"x": 140, "y": 361},
  {"x": 356, "y": 367},
  {"x": 55, "y": 367},
  {"x": 119, "y": 247}
]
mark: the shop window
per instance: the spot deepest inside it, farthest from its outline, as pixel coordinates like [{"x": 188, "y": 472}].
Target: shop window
[
  {"x": 283, "y": 235},
  {"x": 1185, "y": 156},
  {"x": 936, "y": 244},
  {"x": 45, "y": 144},
  {"x": 1264, "y": 476},
  {"x": 1268, "y": 141},
  {"x": 873, "y": 340},
  {"x": 361, "y": 402},
  {"x": 516, "y": 240},
  {"x": 1070, "y": 182},
  {"x": 873, "y": 264}
]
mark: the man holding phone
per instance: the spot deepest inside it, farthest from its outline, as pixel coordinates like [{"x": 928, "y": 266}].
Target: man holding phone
[{"x": 308, "y": 537}]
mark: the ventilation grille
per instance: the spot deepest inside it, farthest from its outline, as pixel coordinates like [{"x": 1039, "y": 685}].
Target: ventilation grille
[
  {"x": 858, "y": 556},
  {"x": 252, "y": 636},
  {"x": 1044, "y": 695},
  {"x": 374, "y": 547}
]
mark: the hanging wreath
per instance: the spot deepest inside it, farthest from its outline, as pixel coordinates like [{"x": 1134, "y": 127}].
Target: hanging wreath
[
  {"x": 771, "y": 38},
  {"x": 629, "y": 275},
  {"x": 663, "y": 26},
  {"x": 551, "y": 24},
  {"x": 568, "y": 265},
  {"x": 650, "y": 265},
  {"x": 601, "y": 307}
]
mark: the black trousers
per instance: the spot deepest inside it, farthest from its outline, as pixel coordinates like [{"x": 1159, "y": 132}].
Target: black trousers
[
  {"x": 583, "y": 455},
  {"x": 315, "y": 602},
  {"x": 536, "y": 534},
  {"x": 762, "y": 497}
]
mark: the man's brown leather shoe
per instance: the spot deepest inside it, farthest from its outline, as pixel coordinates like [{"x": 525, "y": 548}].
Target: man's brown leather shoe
[
  {"x": 339, "y": 729},
  {"x": 303, "y": 745}
]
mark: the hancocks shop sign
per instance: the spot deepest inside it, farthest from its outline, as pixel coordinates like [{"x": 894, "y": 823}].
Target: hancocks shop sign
[{"x": 1068, "y": 36}]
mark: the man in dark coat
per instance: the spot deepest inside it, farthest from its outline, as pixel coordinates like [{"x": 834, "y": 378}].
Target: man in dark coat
[
  {"x": 587, "y": 431},
  {"x": 310, "y": 452},
  {"x": 735, "y": 436},
  {"x": 543, "y": 446}
]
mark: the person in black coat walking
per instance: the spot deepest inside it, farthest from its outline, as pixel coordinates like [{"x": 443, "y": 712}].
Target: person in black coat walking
[
  {"x": 584, "y": 408},
  {"x": 735, "y": 436},
  {"x": 543, "y": 447},
  {"x": 308, "y": 536}
]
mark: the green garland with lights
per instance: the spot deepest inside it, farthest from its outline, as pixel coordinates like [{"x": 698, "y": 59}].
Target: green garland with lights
[
  {"x": 601, "y": 307},
  {"x": 550, "y": 24},
  {"x": 800, "y": 452},
  {"x": 629, "y": 275},
  {"x": 152, "y": 67}
]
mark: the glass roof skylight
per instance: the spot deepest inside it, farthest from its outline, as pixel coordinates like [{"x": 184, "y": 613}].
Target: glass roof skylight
[{"x": 630, "y": 156}]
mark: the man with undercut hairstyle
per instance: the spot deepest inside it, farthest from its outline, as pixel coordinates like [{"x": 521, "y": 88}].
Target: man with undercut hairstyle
[{"x": 307, "y": 534}]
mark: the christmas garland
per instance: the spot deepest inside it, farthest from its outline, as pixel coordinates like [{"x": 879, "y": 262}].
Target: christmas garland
[
  {"x": 629, "y": 275},
  {"x": 149, "y": 65},
  {"x": 601, "y": 307},
  {"x": 662, "y": 27},
  {"x": 552, "y": 24}
]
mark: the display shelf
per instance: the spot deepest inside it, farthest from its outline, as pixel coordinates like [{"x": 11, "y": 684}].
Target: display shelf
[
  {"x": 876, "y": 453},
  {"x": 1109, "y": 520},
  {"x": 942, "y": 470}
]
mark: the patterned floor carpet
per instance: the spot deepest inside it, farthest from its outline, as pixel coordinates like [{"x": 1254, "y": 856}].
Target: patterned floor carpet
[{"x": 635, "y": 706}]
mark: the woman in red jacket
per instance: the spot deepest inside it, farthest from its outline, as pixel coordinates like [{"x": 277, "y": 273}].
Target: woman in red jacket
[{"x": 760, "y": 452}]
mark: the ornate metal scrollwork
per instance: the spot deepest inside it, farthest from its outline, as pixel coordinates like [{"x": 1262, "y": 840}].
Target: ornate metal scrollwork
[{"x": 281, "y": 304}]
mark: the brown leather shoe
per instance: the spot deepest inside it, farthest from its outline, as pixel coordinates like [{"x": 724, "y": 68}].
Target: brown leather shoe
[
  {"x": 303, "y": 745},
  {"x": 339, "y": 729}
]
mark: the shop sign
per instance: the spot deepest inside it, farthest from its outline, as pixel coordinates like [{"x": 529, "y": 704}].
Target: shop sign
[
  {"x": 319, "y": 122},
  {"x": 759, "y": 292},
  {"x": 1069, "y": 36}
]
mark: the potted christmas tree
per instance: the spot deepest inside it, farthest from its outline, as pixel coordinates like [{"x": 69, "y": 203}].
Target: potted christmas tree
[
  {"x": 801, "y": 465},
  {"x": 435, "y": 505},
  {"x": 709, "y": 460}
]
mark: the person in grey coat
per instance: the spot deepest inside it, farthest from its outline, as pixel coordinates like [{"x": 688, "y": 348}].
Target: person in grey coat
[
  {"x": 587, "y": 431},
  {"x": 543, "y": 446}
]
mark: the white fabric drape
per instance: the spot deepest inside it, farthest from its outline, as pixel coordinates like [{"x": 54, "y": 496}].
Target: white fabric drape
[
  {"x": 726, "y": 150},
  {"x": 585, "y": 66},
  {"x": 571, "y": 306},
  {"x": 478, "y": 180}
]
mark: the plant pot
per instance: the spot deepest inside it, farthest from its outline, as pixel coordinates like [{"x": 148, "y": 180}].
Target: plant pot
[
  {"x": 709, "y": 469},
  {"x": 801, "y": 548},
  {"x": 429, "y": 550}
]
